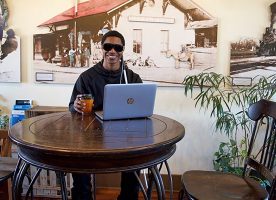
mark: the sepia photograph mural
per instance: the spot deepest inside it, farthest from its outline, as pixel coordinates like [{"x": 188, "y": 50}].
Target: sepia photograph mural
[
  {"x": 165, "y": 40},
  {"x": 10, "y": 70},
  {"x": 251, "y": 57}
]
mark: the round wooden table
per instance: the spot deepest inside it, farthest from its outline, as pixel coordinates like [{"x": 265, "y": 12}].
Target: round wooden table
[{"x": 70, "y": 142}]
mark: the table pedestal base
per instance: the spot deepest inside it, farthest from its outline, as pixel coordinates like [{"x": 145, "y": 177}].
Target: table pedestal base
[{"x": 154, "y": 175}]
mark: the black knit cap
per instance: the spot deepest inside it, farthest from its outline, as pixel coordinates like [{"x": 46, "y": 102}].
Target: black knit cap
[{"x": 114, "y": 34}]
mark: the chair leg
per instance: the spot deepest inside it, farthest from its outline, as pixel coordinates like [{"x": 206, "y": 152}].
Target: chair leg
[
  {"x": 94, "y": 186},
  {"x": 183, "y": 195},
  {"x": 7, "y": 189}
]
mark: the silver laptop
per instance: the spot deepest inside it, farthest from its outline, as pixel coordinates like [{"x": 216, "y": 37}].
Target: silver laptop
[{"x": 125, "y": 101}]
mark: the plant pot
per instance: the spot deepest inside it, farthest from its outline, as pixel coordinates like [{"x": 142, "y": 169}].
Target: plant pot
[{"x": 260, "y": 178}]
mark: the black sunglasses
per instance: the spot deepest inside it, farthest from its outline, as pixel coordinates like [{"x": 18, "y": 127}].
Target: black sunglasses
[{"x": 116, "y": 47}]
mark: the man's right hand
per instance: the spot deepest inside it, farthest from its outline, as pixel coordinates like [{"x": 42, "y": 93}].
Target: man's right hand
[{"x": 78, "y": 105}]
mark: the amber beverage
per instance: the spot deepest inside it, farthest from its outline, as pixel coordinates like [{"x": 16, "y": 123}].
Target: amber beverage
[{"x": 88, "y": 100}]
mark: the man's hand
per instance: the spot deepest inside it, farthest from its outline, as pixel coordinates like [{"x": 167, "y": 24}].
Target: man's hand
[{"x": 78, "y": 105}]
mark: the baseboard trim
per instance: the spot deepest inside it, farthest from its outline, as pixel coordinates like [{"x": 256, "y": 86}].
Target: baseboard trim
[{"x": 114, "y": 180}]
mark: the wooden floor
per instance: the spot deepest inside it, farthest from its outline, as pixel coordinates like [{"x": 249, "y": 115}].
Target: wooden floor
[{"x": 111, "y": 194}]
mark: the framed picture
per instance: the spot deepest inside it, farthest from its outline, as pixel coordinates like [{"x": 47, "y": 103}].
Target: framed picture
[
  {"x": 10, "y": 59},
  {"x": 253, "y": 58},
  {"x": 165, "y": 40}
]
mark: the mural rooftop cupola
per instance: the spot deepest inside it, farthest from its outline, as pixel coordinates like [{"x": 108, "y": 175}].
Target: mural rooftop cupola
[{"x": 150, "y": 3}]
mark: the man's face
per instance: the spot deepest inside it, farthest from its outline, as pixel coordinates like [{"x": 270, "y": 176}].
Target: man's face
[{"x": 112, "y": 56}]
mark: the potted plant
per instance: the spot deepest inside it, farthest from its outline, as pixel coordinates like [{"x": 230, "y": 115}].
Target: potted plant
[
  {"x": 229, "y": 104},
  {"x": 4, "y": 122}
]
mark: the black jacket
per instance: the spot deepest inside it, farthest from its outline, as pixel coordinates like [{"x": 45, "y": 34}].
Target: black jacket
[{"x": 93, "y": 80}]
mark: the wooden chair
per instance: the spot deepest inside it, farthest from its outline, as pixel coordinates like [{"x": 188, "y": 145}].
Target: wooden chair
[
  {"x": 7, "y": 165},
  {"x": 225, "y": 186}
]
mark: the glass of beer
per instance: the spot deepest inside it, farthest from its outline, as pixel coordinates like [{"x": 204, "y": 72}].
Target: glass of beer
[{"x": 88, "y": 100}]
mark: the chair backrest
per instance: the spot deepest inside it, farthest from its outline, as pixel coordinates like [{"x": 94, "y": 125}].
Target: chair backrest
[
  {"x": 263, "y": 113},
  {"x": 5, "y": 144}
]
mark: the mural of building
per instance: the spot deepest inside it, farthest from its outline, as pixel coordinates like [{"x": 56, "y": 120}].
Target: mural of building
[{"x": 161, "y": 35}]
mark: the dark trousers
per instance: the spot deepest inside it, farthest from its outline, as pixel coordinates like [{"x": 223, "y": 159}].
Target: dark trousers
[{"x": 82, "y": 187}]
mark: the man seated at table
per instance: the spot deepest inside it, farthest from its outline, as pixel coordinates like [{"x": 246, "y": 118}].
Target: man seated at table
[{"x": 92, "y": 81}]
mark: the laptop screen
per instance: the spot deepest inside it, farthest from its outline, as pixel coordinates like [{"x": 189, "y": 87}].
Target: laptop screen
[{"x": 122, "y": 101}]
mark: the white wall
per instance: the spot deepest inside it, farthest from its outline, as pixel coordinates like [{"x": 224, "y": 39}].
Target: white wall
[
  {"x": 151, "y": 32},
  {"x": 236, "y": 19}
]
